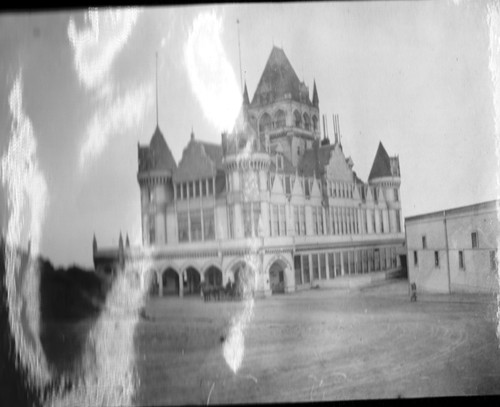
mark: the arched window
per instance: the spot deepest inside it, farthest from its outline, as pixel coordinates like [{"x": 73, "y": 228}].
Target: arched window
[
  {"x": 279, "y": 119},
  {"x": 315, "y": 123},
  {"x": 298, "y": 119},
  {"x": 307, "y": 122},
  {"x": 264, "y": 123}
]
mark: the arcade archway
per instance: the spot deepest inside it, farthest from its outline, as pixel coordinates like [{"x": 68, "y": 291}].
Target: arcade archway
[
  {"x": 191, "y": 281},
  {"x": 170, "y": 281},
  {"x": 213, "y": 276},
  {"x": 277, "y": 276}
]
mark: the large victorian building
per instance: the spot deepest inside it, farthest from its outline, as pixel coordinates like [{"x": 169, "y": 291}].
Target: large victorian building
[{"x": 274, "y": 200}]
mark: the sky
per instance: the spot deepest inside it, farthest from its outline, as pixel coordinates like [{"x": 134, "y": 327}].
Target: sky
[{"x": 77, "y": 93}]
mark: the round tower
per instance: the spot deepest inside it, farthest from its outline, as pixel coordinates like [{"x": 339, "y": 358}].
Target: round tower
[{"x": 156, "y": 166}]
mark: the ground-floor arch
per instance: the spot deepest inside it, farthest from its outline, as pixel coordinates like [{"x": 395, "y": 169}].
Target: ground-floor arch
[
  {"x": 170, "y": 282},
  {"x": 277, "y": 276},
  {"x": 191, "y": 281},
  {"x": 213, "y": 276},
  {"x": 153, "y": 283}
]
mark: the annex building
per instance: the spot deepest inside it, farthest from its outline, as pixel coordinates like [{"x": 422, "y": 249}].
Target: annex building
[
  {"x": 454, "y": 250},
  {"x": 274, "y": 203}
]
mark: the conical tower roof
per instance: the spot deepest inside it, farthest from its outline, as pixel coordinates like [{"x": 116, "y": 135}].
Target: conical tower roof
[
  {"x": 381, "y": 164},
  {"x": 163, "y": 158}
]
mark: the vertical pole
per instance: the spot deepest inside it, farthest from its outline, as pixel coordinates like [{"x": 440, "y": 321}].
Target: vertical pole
[
  {"x": 239, "y": 53},
  {"x": 157, "y": 88},
  {"x": 447, "y": 252}
]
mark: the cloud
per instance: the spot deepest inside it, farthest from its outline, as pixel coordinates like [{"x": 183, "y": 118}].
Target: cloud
[
  {"x": 96, "y": 46},
  {"x": 211, "y": 76},
  {"x": 113, "y": 117}
]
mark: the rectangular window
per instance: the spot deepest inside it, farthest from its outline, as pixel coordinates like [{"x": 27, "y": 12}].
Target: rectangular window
[
  {"x": 436, "y": 259},
  {"x": 375, "y": 196},
  {"x": 371, "y": 260},
  {"x": 315, "y": 266},
  {"x": 384, "y": 260},
  {"x": 184, "y": 190},
  {"x": 306, "y": 184},
  {"x": 210, "y": 187},
  {"x": 275, "y": 220},
  {"x": 183, "y": 226},
  {"x": 398, "y": 221},
  {"x": 282, "y": 215},
  {"x": 394, "y": 257},
  {"x": 376, "y": 259},
  {"x": 197, "y": 188},
  {"x": 381, "y": 222},
  {"x": 204, "y": 187},
  {"x": 296, "y": 220},
  {"x": 191, "y": 195},
  {"x": 415, "y": 258},
  {"x": 247, "y": 218},
  {"x": 151, "y": 194},
  {"x": 475, "y": 244},
  {"x": 365, "y": 261},
  {"x": 178, "y": 191},
  {"x": 424, "y": 242},
  {"x": 320, "y": 221},
  {"x": 208, "y": 224},
  {"x": 331, "y": 265},
  {"x": 256, "y": 217},
  {"x": 461, "y": 260},
  {"x": 298, "y": 270},
  {"x": 315, "y": 219},
  {"x": 338, "y": 266},
  {"x": 288, "y": 188},
  {"x": 396, "y": 195},
  {"x": 152, "y": 229},
  {"x": 195, "y": 220},
  {"x": 359, "y": 262},
  {"x": 374, "y": 226},
  {"x": 493, "y": 260},
  {"x": 302, "y": 212},
  {"x": 305, "y": 268},
  {"x": 352, "y": 270},
  {"x": 230, "y": 216},
  {"x": 345, "y": 259}
]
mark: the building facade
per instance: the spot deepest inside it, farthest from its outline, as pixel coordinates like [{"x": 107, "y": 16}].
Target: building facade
[
  {"x": 274, "y": 203},
  {"x": 454, "y": 250}
]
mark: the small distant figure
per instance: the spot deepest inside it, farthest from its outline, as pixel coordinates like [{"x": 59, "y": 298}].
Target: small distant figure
[{"x": 413, "y": 292}]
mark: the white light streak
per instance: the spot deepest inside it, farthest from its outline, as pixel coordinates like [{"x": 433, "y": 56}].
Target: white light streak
[
  {"x": 211, "y": 76},
  {"x": 27, "y": 198}
]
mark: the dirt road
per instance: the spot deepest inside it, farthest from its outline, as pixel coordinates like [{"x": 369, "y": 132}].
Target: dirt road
[{"x": 320, "y": 345}]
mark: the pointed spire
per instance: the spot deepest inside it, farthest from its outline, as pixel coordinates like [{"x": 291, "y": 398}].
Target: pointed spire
[
  {"x": 127, "y": 242},
  {"x": 120, "y": 242},
  {"x": 246, "y": 100},
  {"x": 94, "y": 244},
  {"x": 192, "y": 133},
  {"x": 315, "y": 99}
]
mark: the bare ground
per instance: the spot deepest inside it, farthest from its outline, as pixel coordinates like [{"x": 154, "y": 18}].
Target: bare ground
[{"x": 320, "y": 345}]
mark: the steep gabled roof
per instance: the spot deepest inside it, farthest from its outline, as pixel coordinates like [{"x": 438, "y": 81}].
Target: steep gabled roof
[
  {"x": 278, "y": 78},
  {"x": 200, "y": 159},
  {"x": 381, "y": 164}
]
